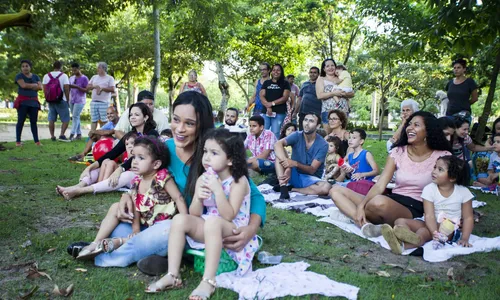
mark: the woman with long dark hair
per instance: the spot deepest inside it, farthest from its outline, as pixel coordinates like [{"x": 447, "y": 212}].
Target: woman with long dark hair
[
  {"x": 413, "y": 156},
  {"x": 274, "y": 95}
]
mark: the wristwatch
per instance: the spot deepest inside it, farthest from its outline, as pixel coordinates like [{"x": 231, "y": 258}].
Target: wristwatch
[{"x": 274, "y": 103}]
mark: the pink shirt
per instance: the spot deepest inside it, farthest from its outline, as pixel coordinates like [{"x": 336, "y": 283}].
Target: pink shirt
[
  {"x": 412, "y": 177},
  {"x": 265, "y": 141}
]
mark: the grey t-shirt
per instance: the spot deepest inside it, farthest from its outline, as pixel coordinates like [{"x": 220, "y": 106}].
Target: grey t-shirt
[
  {"x": 459, "y": 96},
  {"x": 310, "y": 102}
]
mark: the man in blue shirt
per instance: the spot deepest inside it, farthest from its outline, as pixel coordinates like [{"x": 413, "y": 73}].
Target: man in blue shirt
[
  {"x": 307, "y": 100},
  {"x": 302, "y": 173}
]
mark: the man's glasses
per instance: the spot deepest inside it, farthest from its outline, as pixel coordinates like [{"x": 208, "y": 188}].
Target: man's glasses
[{"x": 263, "y": 69}]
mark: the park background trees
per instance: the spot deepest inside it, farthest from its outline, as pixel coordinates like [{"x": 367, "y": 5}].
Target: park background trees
[{"x": 393, "y": 49}]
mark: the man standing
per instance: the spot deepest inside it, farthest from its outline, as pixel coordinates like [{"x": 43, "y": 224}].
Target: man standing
[
  {"x": 265, "y": 70},
  {"x": 60, "y": 108},
  {"x": 147, "y": 98},
  {"x": 78, "y": 85},
  {"x": 290, "y": 105},
  {"x": 304, "y": 170},
  {"x": 102, "y": 86},
  {"x": 261, "y": 143},
  {"x": 94, "y": 135},
  {"x": 307, "y": 100}
]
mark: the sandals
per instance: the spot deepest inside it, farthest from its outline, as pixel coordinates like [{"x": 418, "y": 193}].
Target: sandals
[
  {"x": 85, "y": 253},
  {"x": 108, "y": 245},
  {"x": 203, "y": 294},
  {"x": 155, "y": 288}
]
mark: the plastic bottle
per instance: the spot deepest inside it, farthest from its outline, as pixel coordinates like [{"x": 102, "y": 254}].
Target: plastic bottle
[
  {"x": 210, "y": 201},
  {"x": 267, "y": 258}
]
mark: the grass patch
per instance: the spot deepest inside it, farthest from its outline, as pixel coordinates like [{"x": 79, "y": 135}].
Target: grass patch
[{"x": 31, "y": 210}]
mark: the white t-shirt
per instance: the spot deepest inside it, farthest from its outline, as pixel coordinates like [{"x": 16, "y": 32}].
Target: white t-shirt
[
  {"x": 494, "y": 163},
  {"x": 451, "y": 207},
  {"x": 105, "y": 81},
  {"x": 62, "y": 80},
  {"x": 158, "y": 116}
]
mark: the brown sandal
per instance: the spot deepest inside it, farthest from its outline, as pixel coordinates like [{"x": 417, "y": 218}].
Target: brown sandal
[{"x": 155, "y": 288}]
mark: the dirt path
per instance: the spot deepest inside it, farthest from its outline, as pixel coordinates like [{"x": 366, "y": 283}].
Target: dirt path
[{"x": 8, "y": 132}]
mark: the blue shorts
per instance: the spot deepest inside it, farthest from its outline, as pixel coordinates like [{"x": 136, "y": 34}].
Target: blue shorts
[
  {"x": 266, "y": 166},
  {"x": 98, "y": 111},
  {"x": 300, "y": 180},
  {"x": 60, "y": 109},
  {"x": 324, "y": 117}
]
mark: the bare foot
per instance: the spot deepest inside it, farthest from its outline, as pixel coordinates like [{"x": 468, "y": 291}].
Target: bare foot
[{"x": 69, "y": 194}]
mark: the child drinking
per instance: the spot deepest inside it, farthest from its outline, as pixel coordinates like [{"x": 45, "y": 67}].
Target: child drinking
[
  {"x": 446, "y": 201},
  {"x": 332, "y": 158},
  {"x": 155, "y": 195},
  {"x": 229, "y": 190},
  {"x": 361, "y": 163}
]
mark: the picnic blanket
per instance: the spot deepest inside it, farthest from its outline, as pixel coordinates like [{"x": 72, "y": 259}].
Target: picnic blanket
[
  {"x": 323, "y": 206},
  {"x": 283, "y": 280}
]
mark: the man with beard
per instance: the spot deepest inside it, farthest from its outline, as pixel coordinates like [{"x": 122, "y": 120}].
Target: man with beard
[
  {"x": 230, "y": 120},
  {"x": 302, "y": 173}
]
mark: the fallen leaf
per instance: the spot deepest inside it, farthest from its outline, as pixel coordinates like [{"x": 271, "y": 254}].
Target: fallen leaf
[
  {"x": 26, "y": 244},
  {"x": 346, "y": 258},
  {"x": 292, "y": 250},
  {"x": 33, "y": 272},
  {"x": 63, "y": 292},
  {"x": 383, "y": 274},
  {"x": 29, "y": 294},
  {"x": 450, "y": 273},
  {"x": 365, "y": 254},
  {"x": 51, "y": 250},
  {"x": 424, "y": 285},
  {"x": 411, "y": 270},
  {"x": 81, "y": 270},
  {"x": 395, "y": 266},
  {"x": 429, "y": 278}
]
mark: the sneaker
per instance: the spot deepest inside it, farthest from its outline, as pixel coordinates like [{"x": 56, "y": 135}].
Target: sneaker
[
  {"x": 77, "y": 157},
  {"x": 62, "y": 138},
  {"x": 38, "y": 144},
  {"x": 406, "y": 235},
  {"x": 391, "y": 239},
  {"x": 277, "y": 188},
  {"x": 153, "y": 265},
  {"x": 78, "y": 137},
  {"x": 53, "y": 138},
  {"x": 19, "y": 144},
  {"x": 75, "y": 248},
  {"x": 71, "y": 136},
  {"x": 337, "y": 215},
  {"x": 371, "y": 230}
]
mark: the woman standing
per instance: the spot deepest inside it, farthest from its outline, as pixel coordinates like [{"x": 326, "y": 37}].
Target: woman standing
[
  {"x": 274, "y": 95},
  {"x": 462, "y": 91},
  {"x": 421, "y": 143},
  {"x": 192, "y": 84},
  {"x": 27, "y": 103},
  {"x": 326, "y": 90}
]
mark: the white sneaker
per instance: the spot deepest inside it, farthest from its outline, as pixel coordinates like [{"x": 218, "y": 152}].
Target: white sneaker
[
  {"x": 371, "y": 230},
  {"x": 337, "y": 215}
]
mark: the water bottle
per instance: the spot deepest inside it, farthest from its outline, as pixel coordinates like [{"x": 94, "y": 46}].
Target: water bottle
[
  {"x": 267, "y": 258},
  {"x": 210, "y": 201}
]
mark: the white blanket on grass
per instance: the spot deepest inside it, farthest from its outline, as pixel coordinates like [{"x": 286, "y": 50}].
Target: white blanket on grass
[
  {"x": 321, "y": 207},
  {"x": 479, "y": 244},
  {"x": 283, "y": 280}
]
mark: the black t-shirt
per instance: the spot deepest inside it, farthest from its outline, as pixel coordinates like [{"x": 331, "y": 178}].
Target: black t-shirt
[
  {"x": 459, "y": 96},
  {"x": 274, "y": 91}
]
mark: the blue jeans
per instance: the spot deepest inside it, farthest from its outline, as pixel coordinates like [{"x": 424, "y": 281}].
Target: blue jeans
[
  {"x": 274, "y": 123},
  {"x": 27, "y": 111},
  {"x": 152, "y": 240},
  {"x": 76, "y": 111}
]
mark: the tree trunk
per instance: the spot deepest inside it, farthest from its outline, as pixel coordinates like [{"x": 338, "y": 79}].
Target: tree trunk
[
  {"x": 156, "y": 21},
  {"x": 483, "y": 120},
  {"x": 240, "y": 85},
  {"x": 129, "y": 94},
  {"x": 223, "y": 86}
]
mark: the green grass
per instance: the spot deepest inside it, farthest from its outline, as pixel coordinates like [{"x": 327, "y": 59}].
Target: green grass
[{"x": 31, "y": 210}]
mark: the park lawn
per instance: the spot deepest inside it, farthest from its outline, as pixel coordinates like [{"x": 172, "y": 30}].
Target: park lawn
[{"x": 31, "y": 211}]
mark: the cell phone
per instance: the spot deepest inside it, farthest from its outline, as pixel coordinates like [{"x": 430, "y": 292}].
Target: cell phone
[{"x": 272, "y": 115}]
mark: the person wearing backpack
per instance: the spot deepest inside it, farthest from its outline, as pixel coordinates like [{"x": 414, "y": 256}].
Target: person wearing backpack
[
  {"x": 56, "y": 90},
  {"x": 102, "y": 86}
]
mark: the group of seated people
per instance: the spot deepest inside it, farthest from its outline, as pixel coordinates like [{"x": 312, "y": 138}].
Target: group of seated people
[{"x": 196, "y": 185}]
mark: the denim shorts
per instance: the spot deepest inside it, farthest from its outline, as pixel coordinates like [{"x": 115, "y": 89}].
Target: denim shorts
[
  {"x": 60, "y": 109},
  {"x": 98, "y": 111},
  {"x": 266, "y": 166},
  {"x": 300, "y": 180}
]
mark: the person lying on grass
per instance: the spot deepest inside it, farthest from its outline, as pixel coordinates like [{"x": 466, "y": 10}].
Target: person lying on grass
[
  {"x": 153, "y": 191},
  {"x": 224, "y": 191},
  {"x": 446, "y": 201},
  {"x": 90, "y": 182}
]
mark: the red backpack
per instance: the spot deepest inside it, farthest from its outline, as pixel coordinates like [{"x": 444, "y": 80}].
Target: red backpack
[{"x": 53, "y": 92}]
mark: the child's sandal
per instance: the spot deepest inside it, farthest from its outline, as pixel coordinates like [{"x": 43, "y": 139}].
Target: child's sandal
[
  {"x": 202, "y": 294},
  {"x": 108, "y": 245},
  {"x": 155, "y": 288}
]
